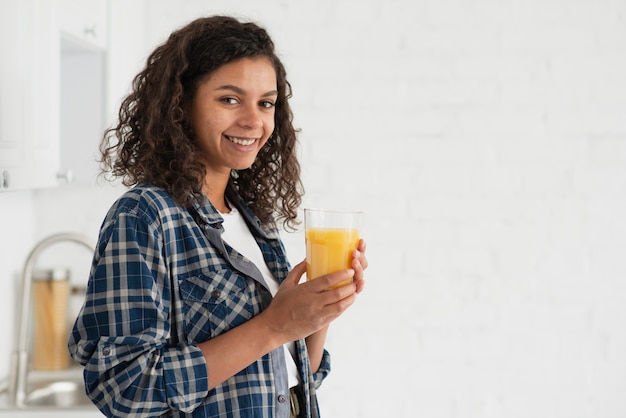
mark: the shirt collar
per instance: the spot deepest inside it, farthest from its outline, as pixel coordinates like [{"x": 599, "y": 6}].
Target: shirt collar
[{"x": 209, "y": 215}]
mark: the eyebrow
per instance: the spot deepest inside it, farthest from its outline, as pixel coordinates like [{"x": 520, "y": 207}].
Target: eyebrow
[{"x": 239, "y": 90}]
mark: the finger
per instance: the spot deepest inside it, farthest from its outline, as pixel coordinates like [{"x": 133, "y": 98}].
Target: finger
[
  {"x": 359, "y": 263},
  {"x": 361, "y": 248},
  {"x": 296, "y": 273},
  {"x": 357, "y": 266},
  {"x": 342, "y": 298},
  {"x": 363, "y": 262},
  {"x": 334, "y": 302},
  {"x": 360, "y": 284},
  {"x": 325, "y": 282},
  {"x": 344, "y": 292}
]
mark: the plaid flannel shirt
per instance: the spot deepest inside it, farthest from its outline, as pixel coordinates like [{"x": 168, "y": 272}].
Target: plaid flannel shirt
[{"x": 137, "y": 343}]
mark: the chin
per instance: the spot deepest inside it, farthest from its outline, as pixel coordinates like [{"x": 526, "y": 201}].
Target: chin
[{"x": 242, "y": 167}]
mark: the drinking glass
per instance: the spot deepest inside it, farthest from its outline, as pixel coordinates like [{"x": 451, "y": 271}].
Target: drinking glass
[{"x": 331, "y": 237}]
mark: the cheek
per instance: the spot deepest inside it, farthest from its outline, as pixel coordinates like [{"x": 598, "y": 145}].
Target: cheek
[
  {"x": 270, "y": 126},
  {"x": 268, "y": 134},
  {"x": 207, "y": 126}
]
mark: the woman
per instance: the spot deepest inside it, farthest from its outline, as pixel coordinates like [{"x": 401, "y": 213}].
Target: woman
[{"x": 192, "y": 308}]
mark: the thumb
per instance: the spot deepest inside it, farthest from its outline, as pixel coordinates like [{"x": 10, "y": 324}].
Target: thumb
[{"x": 296, "y": 273}]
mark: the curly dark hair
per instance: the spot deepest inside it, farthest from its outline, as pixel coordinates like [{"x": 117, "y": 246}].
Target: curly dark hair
[{"x": 152, "y": 142}]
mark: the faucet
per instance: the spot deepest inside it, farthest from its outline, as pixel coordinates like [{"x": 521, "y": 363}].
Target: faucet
[{"x": 19, "y": 364}]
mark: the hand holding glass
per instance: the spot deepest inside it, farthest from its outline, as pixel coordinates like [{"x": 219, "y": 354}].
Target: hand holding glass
[{"x": 331, "y": 238}]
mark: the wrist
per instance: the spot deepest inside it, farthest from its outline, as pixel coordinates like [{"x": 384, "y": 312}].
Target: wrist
[{"x": 268, "y": 329}]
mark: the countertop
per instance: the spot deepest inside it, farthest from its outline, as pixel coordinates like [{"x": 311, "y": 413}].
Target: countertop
[{"x": 77, "y": 405}]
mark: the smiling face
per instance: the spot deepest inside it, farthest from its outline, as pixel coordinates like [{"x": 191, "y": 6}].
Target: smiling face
[{"x": 232, "y": 114}]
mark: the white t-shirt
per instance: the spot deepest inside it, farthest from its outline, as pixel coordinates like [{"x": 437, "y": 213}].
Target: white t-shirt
[{"x": 238, "y": 236}]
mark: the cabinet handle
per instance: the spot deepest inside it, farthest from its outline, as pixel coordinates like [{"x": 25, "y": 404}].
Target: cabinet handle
[
  {"x": 90, "y": 31},
  {"x": 6, "y": 180},
  {"x": 67, "y": 176}
]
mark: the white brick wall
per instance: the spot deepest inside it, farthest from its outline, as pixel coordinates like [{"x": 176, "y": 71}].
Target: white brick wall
[{"x": 486, "y": 140}]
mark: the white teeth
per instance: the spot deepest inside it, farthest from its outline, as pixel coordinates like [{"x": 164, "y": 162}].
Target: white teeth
[{"x": 241, "y": 141}]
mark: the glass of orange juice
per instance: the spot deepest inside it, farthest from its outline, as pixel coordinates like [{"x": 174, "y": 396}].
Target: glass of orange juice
[{"x": 331, "y": 236}]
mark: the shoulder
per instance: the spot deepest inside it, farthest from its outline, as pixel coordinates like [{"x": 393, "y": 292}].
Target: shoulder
[{"x": 148, "y": 202}]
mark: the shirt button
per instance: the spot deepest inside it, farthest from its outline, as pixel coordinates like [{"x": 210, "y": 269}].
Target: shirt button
[
  {"x": 216, "y": 294},
  {"x": 282, "y": 398},
  {"x": 106, "y": 351}
]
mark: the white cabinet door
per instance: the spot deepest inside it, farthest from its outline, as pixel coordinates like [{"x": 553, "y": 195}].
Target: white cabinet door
[
  {"x": 29, "y": 95},
  {"x": 84, "y": 54},
  {"x": 83, "y": 89},
  {"x": 12, "y": 84},
  {"x": 85, "y": 22},
  {"x": 44, "y": 91},
  {"x": 93, "y": 84}
]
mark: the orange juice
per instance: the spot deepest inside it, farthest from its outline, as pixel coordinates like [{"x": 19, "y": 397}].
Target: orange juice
[{"x": 329, "y": 250}]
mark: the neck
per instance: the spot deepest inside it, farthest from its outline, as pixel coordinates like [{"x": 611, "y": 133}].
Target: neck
[{"x": 215, "y": 190}]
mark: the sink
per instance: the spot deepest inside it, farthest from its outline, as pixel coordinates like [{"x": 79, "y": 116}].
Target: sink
[
  {"x": 27, "y": 388},
  {"x": 59, "y": 394},
  {"x": 60, "y": 390},
  {"x": 59, "y": 398}
]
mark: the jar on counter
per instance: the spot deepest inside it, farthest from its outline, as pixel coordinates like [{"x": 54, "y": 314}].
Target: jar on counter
[{"x": 51, "y": 293}]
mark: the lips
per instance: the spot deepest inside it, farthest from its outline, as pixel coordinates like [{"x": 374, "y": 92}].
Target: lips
[{"x": 241, "y": 141}]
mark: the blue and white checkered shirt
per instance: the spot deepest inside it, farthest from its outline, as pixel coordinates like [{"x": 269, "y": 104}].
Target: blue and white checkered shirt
[{"x": 137, "y": 342}]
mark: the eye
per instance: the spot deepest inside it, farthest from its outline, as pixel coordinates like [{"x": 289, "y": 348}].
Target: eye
[
  {"x": 229, "y": 100},
  {"x": 267, "y": 104}
]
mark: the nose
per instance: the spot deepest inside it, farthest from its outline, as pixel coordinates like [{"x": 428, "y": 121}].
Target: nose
[{"x": 251, "y": 117}]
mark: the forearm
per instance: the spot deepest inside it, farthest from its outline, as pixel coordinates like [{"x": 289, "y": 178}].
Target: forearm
[
  {"x": 231, "y": 352},
  {"x": 315, "y": 346}
]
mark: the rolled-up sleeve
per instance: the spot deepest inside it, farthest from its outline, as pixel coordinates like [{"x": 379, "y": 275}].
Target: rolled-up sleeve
[
  {"x": 322, "y": 371},
  {"x": 122, "y": 334}
]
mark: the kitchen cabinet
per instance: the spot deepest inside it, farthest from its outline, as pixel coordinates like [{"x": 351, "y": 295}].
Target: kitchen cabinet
[
  {"x": 29, "y": 95},
  {"x": 39, "y": 41},
  {"x": 85, "y": 22},
  {"x": 83, "y": 26},
  {"x": 62, "y": 77},
  {"x": 94, "y": 81},
  {"x": 83, "y": 90}
]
